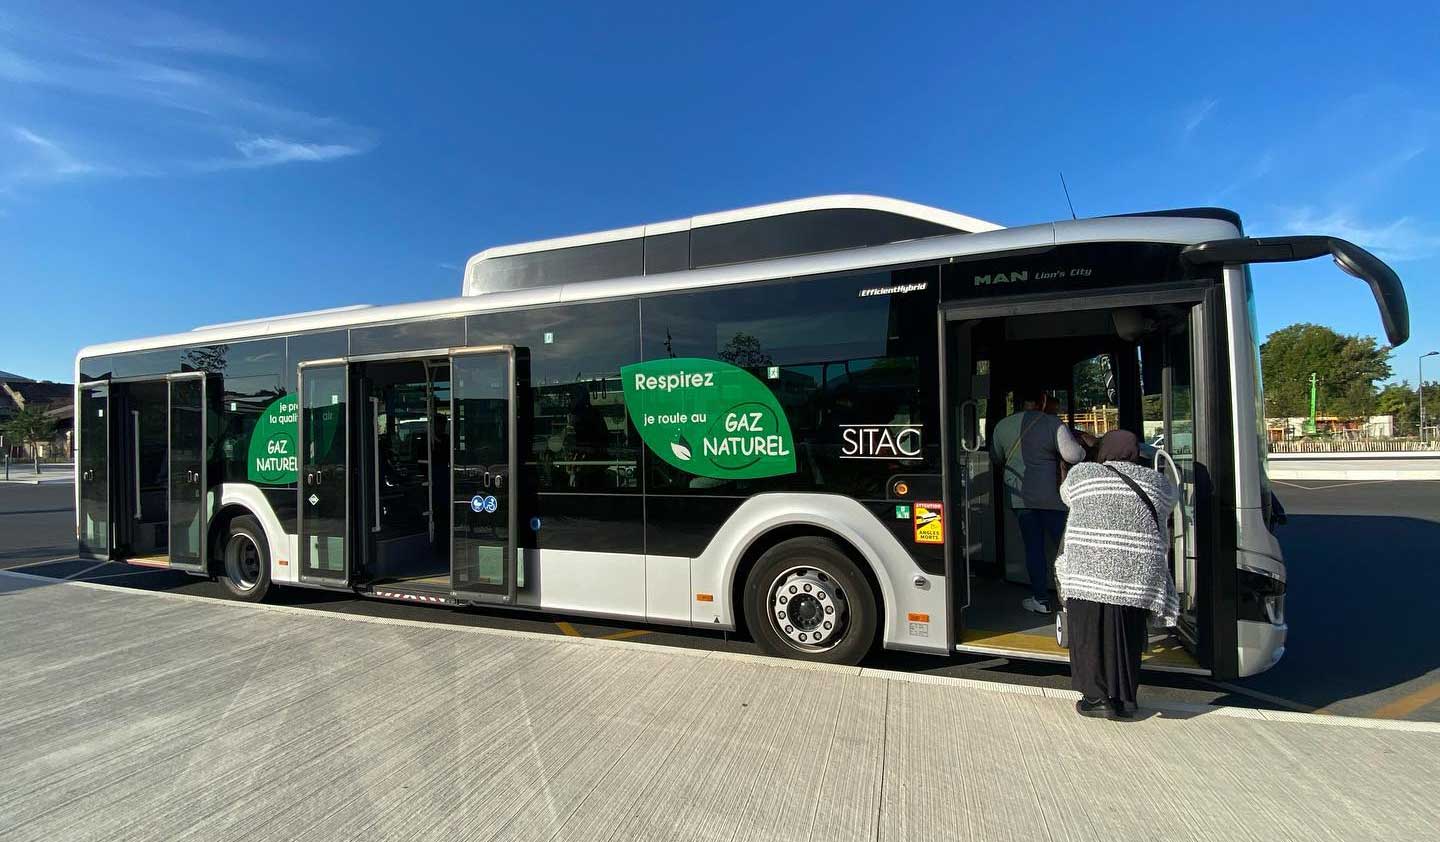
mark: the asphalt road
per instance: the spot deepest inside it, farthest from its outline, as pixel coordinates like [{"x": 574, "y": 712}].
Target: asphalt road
[{"x": 1361, "y": 565}]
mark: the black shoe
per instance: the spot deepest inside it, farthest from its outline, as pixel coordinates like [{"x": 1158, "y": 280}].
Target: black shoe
[
  {"x": 1094, "y": 708},
  {"x": 1117, "y": 710}
]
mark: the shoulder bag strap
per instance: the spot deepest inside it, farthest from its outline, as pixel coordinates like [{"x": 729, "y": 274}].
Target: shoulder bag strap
[
  {"x": 1144, "y": 498},
  {"x": 1010, "y": 454}
]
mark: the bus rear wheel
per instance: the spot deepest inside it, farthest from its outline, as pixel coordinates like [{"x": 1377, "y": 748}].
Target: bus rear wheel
[
  {"x": 807, "y": 599},
  {"x": 244, "y": 560}
]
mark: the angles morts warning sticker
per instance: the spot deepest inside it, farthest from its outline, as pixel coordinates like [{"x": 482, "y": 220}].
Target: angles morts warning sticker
[
  {"x": 929, "y": 523},
  {"x": 709, "y": 418}
]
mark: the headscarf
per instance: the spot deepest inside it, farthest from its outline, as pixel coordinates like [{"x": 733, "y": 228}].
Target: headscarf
[{"x": 1118, "y": 446}]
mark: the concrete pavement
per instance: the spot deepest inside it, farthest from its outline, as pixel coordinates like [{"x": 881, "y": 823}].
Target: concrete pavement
[
  {"x": 1356, "y": 647},
  {"x": 127, "y": 714},
  {"x": 23, "y": 472}
]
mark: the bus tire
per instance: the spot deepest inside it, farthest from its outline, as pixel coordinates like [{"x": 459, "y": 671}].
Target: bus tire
[
  {"x": 243, "y": 560},
  {"x": 806, "y": 598}
]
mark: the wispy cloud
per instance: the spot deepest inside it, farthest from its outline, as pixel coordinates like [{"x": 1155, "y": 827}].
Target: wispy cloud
[
  {"x": 1246, "y": 177},
  {"x": 1195, "y": 115},
  {"x": 269, "y": 151},
  {"x": 36, "y": 158},
  {"x": 1380, "y": 174},
  {"x": 1397, "y": 240},
  {"x": 165, "y": 93},
  {"x": 16, "y": 68},
  {"x": 167, "y": 31}
]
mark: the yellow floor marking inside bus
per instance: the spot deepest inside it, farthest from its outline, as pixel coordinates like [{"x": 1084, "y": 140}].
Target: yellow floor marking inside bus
[
  {"x": 567, "y": 628},
  {"x": 149, "y": 560},
  {"x": 1168, "y": 652},
  {"x": 1409, "y": 703}
]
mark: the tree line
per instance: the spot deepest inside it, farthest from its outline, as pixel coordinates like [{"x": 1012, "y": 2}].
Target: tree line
[
  {"x": 1349, "y": 369},
  {"x": 28, "y": 425}
]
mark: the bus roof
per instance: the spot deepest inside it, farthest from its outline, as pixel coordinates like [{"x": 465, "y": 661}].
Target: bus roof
[
  {"x": 761, "y": 232},
  {"x": 1137, "y": 229}
]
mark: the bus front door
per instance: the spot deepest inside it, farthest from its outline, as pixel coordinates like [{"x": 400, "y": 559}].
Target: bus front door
[
  {"x": 188, "y": 486},
  {"x": 93, "y": 517},
  {"x": 483, "y": 561},
  {"x": 324, "y": 486},
  {"x": 971, "y": 478}
]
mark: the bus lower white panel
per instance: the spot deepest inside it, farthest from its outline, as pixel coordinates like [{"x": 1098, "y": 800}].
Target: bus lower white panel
[
  {"x": 599, "y": 583},
  {"x": 667, "y": 588},
  {"x": 905, "y": 589},
  {"x": 1261, "y": 645},
  {"x": 283, "y": 547}
]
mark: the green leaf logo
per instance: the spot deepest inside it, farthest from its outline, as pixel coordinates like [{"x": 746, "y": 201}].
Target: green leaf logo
[{"x": 709, "y": 418}]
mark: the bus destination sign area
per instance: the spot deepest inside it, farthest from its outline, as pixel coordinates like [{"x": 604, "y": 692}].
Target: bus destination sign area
[{"x": 709, "y": 418}]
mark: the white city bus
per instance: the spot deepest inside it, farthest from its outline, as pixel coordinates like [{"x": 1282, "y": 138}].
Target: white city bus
[{"x": 773, "y": 419}]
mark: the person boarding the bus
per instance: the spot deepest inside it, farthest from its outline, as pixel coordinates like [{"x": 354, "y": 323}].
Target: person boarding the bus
[
  {"x": 1030, "y": 446},
  {"x": 1115, "y": 571}
]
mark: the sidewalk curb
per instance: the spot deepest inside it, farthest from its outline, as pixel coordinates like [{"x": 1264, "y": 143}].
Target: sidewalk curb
[
  {"x": 761, "y": 660},
  {"x": 1355, "y": 474}
]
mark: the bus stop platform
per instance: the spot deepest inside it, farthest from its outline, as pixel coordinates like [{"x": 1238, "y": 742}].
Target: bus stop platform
[{"x": 134, "y": 715}]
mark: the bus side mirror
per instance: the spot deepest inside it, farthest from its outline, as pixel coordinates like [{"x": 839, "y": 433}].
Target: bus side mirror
[{"x": 1384, "y": 283}]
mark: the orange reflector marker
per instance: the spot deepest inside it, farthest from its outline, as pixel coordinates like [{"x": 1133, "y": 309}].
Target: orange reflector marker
[
  {"x": 901, "y": 489},
  {"x": 915, "y": 617},
  {"x": 704, "y": 597},
  {"x": 283, "y": 563}
]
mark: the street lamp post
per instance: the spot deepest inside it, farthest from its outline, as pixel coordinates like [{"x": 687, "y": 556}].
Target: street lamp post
[{"x": 1420, "y": 387}]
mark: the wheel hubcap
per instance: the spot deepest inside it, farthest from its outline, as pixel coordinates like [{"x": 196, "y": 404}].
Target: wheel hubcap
[
  {"x": 808, "y": 609},
  {"x": 242, "y": 561}
]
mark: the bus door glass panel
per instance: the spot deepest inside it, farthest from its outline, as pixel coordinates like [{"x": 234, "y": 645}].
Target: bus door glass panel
[
  {"x": 324, "y": 463},
  {"x": 1179, "y": 405},
  {"x": 1169, "y": 427},
  {"x": 187, "y": 501},
  {"x": 1180, "y": 431},
  {"x": 94, "y": 515},
  {"x": 972, "y": 491},
  {"x": 483, "y": 559}
]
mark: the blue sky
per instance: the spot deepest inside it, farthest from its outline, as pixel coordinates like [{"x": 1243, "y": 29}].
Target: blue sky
[{"x": 168, "y": 165}]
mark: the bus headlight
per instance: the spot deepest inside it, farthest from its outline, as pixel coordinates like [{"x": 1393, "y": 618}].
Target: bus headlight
[{"x": 1259, "y": 598}]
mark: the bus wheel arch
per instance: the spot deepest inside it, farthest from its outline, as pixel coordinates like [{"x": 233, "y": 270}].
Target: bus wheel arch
[
  {"x": 240, "y": 580},
  {"x": 240, "y": 554},
  {"x": 800, "y": 536}
]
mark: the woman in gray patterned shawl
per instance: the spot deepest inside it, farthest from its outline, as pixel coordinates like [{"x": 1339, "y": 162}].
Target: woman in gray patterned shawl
[{"x": 1114, "y": 572}]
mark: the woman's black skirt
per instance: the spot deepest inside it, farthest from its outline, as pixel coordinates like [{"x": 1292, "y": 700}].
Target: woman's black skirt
[{"x": 1105, "y": 646}]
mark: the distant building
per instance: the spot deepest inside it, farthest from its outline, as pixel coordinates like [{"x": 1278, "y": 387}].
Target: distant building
[{"x": 55, "y": 399}]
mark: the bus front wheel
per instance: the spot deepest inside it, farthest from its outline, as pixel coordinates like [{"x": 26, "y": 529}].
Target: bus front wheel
[
  {"x": 807, "y": 599},
  {"x": 244, "y": 568}
]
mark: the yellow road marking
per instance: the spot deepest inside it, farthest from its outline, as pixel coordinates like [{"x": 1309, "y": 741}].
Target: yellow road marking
[
  {"x": 567, "y": 628},
  {"x": 624, "y": 634},
  {"x": 1409, "y": 703}
]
